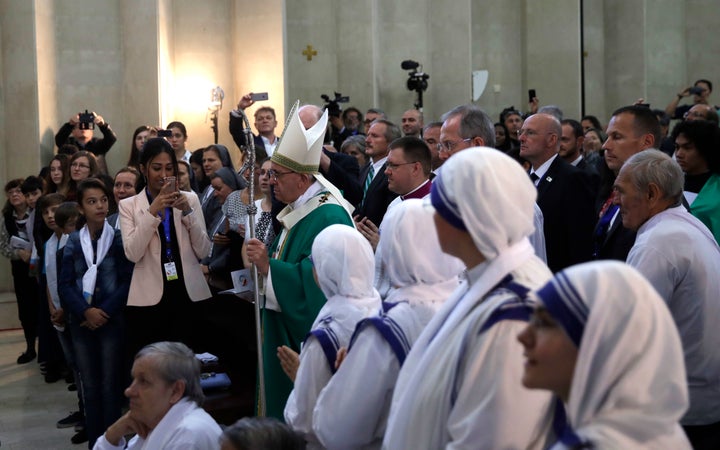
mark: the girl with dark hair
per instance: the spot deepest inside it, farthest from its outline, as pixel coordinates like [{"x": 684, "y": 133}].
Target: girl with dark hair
[
  {"x": 502, "y": 140},
  {"x": 15, "y": 245},
  {"x": 58, "y": 178},
  {"x": 696, "y": 151},
  {"x": 140, "y": 136},
  {"x": 178, "y": 139},
  {"x": 164, "y": 234},
  {"x": 93, "y": 287},
  {"x": 196, "y": 164},
  {"x": 263, "y": 219}
]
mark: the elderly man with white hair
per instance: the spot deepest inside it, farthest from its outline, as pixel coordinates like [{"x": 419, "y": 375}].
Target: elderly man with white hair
[
  {"x": 680, "y": 257},
  {"x": 292, "y": 296},
  {"x": 459, "y": 386}
]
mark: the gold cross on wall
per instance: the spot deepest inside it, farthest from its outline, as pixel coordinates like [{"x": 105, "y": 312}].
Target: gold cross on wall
[{"x": 309, "y": 52}]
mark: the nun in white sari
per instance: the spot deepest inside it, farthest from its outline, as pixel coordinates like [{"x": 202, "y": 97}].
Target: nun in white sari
[
  {"x": 458, "y": 387},
  {"x": 344, "y": 267},
  {"x": 352, "y": 409},
  {"x": 604, "y": 341}
]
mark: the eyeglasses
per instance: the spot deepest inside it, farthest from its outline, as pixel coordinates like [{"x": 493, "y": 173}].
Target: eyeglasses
[
  {"x": 449, "y": 146},
  {"x": 391, "y": 166},
  {"x": 77, "y": 165},
  {"x": 274, "y": 174},
  {"x": 694, "y": 114},
  {"x": 529, "y": 133}
]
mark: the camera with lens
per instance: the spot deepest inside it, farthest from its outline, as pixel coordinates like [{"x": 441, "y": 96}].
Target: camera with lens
[
  {"x": 164, "y": 133},
  {"x": 333, "y": 106},
  {"x": 418, "y": 80},
  {"x": 696, "y": 90},
  {"x": 86, "y": 121}
]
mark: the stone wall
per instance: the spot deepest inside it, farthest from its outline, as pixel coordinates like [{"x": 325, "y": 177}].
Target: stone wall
[{"x": 152, "y": 61}]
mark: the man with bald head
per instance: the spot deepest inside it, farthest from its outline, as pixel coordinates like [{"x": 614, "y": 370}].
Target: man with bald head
[
  {"x": 702, "y": 112},
  {"x": 340, "y": 169},
  {"x": 412, "y": 123},
  {"x": 467, "y": 126},
  {"x": 566, "y": 195}
]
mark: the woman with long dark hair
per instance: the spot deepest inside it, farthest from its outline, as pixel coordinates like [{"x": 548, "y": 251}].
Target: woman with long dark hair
[
  {"x": 140, "y": 136},
  {"x": 164, "y": 235}
]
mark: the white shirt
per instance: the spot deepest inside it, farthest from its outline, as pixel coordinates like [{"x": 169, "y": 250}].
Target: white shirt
[
  {"x": 269, "y": 148},
  {"x": 184, "y": 426},
  {"x": 376, "y": 168},
  {"x": 679, "y": 256},
  {"x": 542, "y": 170}
]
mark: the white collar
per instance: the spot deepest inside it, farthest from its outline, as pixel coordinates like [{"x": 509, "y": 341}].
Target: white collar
[
  {"x": 378, "y": 165},
  {"x": 307, "y": 195},
  {"x": 542, "y": 170}
]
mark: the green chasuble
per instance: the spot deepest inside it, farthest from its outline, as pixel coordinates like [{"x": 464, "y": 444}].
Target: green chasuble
[
  {"x": 297, "y": 293},
  {"x": 706, "y": 206}
]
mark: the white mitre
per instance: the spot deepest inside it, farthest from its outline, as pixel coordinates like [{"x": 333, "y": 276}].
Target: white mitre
[{"x": 299, "y": 150}]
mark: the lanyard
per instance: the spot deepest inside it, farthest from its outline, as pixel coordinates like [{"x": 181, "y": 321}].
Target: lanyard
[{"x": 166, "y": 227}]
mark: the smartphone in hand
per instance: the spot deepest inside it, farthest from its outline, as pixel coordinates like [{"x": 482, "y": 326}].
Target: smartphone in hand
[
  {"x": 171, "y": 182},
  {"x": 259, "y": 96}
]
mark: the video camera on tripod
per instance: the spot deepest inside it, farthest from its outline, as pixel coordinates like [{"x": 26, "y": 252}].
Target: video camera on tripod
[{"x": 417, "y": 81}]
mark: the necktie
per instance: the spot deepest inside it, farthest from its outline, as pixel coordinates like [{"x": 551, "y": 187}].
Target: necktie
[
  {"x": 368, "y": 180},
  {"x": 534, "y": 177}
]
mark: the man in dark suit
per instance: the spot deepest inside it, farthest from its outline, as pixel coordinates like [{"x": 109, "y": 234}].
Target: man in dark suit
[
  {"x": 265, "y": 124},
  {"x": 631, "y": 130},
  {"x": 571, "y": 143},
  {"x": 377, "y": 196},
  {"x": 340, "y": 169},
  {"x": 566, "y": 195}
]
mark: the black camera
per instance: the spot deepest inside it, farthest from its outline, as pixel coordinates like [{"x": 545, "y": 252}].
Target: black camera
[
  {"x": 164, "y": 133},
  {"x": 333, "y": 106},
  {"x": 86, "y": 121},
  {"x": 696, "y": 90},
  {"x": 417, "y": 81}
]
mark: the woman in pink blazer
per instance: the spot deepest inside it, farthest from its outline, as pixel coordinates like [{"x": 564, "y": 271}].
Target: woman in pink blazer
[{"x": 164, "y": 234}]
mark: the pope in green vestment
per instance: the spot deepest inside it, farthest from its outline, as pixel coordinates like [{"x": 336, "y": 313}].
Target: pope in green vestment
[
  {"x": 297, "y": 294},
  {"x": 292, "y": 297}
]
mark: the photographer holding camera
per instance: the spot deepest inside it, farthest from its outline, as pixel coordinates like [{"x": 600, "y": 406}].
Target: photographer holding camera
[
  {"x": 700, "y": 91},
  {"x": 78, "y": 131}
]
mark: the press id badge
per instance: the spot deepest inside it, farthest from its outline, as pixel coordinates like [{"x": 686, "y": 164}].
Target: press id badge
[{"x": 170, "y": 271}]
